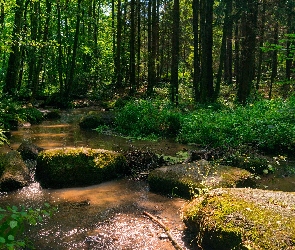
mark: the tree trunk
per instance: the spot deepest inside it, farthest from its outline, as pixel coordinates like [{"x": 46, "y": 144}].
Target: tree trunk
[
  {"x": 175, "y": 52},
  {"x": 13, "y": 68},
  {"x": 206, "y": 82},
  {"x": 132, "y": 48},
  {"x": 70, "y": 83},
  {"x": 196, "y": 76},
  {"x": 118, "y": 70},
  {"x": 248, "y": 33},
  {"x": 261, "y": 39},
  {"x": 274, "y": 68}
]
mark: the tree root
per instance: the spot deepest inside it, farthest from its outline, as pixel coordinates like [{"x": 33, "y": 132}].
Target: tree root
[{"x": 160, "y": 223}]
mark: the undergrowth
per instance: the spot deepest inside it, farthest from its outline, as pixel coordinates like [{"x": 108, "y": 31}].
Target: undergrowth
[{"x": 268, "y": 125}]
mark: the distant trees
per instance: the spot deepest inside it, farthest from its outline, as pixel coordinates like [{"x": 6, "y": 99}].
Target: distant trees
[{"x": 76, "y": 47}]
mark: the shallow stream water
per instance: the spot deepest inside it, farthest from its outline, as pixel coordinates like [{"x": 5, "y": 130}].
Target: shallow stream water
[
  {"x": 109, "y": 215},
  {"x": 105, "y": 216}
]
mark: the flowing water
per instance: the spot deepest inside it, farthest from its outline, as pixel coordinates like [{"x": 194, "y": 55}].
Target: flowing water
[
  {"x": 109, "y": 215},
  {"x": 106, "y": 216}
]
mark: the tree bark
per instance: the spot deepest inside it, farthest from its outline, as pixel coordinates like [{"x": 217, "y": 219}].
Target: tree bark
[
  {"x": 13, "y": 68},
  {"x": 175, "y": 53}
]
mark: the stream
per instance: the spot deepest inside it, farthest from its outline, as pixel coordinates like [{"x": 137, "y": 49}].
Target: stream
[{"x": 105, "y": 216}]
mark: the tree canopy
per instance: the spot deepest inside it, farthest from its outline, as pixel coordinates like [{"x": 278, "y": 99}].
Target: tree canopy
[{"x": 74, "y": 48}]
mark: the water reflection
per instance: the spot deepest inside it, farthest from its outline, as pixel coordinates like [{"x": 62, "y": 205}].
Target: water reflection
[{"x": 105, "y": 216}]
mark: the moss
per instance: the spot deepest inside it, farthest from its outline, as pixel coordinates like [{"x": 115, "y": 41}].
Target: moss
[
  {"x": 187, "y": 180},
  {"x": 227, "y": 220},
  {"x": 70, "y": 167}
]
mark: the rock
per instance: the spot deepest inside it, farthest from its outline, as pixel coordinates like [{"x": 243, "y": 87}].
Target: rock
[
  {"x": 139, "y": 162},
  {"x": 242, "y": 218},
  {"x": 189, "y": 179},
  {"x": 93, "y": 120},
  {"x": 15, "y": 173},
  {"x": 74, "y": 167},
  {"x": 29, "y": 151}
]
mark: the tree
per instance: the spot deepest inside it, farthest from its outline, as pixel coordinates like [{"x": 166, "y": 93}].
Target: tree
[
  {"x": 14, "y": 62},
  {"x": 206, "y": 26},
  {"x": 248, "y": 43},
  {"x": 175, "y": 53}
]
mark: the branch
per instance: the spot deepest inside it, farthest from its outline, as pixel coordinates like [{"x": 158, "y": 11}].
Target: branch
[{"x": 160, "y": 223}]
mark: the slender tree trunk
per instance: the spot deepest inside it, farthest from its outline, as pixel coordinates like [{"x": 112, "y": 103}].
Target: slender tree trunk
[
  {"x": 13, "y": 68},
  {"x": 175, "y": 52},
  {"x": 248, "y": 33},
  {"x": 60, "y": 53},
  {"x": 222, "y": 58},
  {"x": 206, "y": 82},
  {"x": 196, "y": 76},
  {"x": 261, "y": 39},
  {"x": 274, "y": 68},
  {"x": 118, "y": 69},
  {"x": 132, "y": 49},
  {"x": 138, "y": 41},
  {"x": 70, "y": 83},
  {"x": 228, "y": 64},
  {"x": 150, "y": 52}
]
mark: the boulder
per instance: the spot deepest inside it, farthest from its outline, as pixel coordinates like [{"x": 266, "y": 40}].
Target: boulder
[
  {"x": 94, "y": 119},
  {"x": 29, "y": 151},
  {"x": 74, "y": 167},
  {"x": 242, "y": 218},
  {"x": 14, "y": 174},
  {"x": 189, "y": 179}
]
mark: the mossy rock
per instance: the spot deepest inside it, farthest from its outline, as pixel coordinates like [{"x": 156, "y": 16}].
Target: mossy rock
[
  {"x": 253, "y": 163},
  {"x": 242, "y": 218},
  {"x": 93, "y": 119},
  {"x": 73, "y": 167},
  {"x": 189, "y": 179},
  {"x": 14, "y": 173},
  {"x": 29, "y": 151}
]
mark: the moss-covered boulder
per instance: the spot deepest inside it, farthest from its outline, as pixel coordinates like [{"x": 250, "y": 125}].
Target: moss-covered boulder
[
  {"x": 188, "y": 179},
  {"x": 29, "y": 151},
  {"x": 14, "y": 173},
  {"x": 242, "y": 218},
  {"x": 94, "y": 119},
  {"x": 73, "y": 167}
]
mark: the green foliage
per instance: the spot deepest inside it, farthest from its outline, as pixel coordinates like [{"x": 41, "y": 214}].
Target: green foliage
[
  {"x": 147, "y": 118},
  {"x": 14, "y": 221},
  {"x": 12, "y": 112},
  {"x": 268, "y": 125}
]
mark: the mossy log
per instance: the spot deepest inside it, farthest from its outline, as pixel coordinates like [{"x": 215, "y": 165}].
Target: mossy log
[
  {"x": 74, "y": 167},
  {"x": 189, "y": 179},
  {"x": 242, "y": 218}
]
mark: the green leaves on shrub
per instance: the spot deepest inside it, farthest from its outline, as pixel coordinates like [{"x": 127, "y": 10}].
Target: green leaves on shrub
[
  {"x": 148, "y": 118},
  {"x": 13, "y": 221},
  {"x": 268, "y": 125}
]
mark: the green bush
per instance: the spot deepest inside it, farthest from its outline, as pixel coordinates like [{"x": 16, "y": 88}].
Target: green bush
[
  {"x": 267, "y": 125},
  {"x": 13, "y": 221},
  {"x": 147, "y": 118}
]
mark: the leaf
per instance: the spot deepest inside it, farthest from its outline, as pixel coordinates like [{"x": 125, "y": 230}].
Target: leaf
[
  {"x": 2, "y": 240},
  {"x": 13, "y": 224},
  {"x": 10, "y": 237}
]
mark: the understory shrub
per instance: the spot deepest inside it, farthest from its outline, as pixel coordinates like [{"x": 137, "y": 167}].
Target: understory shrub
[
  {"x": 148, "y": 118},
  {"x": 267, "y": 125},
  {"x": 14, "y": 221}
]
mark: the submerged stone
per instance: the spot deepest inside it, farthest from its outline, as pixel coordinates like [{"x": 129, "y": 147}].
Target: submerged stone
[
  {"x": 189, "y": 179},
  {"x": 242, "y": 218},
  {"x": 74, "y": 167}
]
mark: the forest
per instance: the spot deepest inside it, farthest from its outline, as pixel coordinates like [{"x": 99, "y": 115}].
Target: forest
[
  {"x": 188, "y": 57},
  {"x": 215, "y": 75}
]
